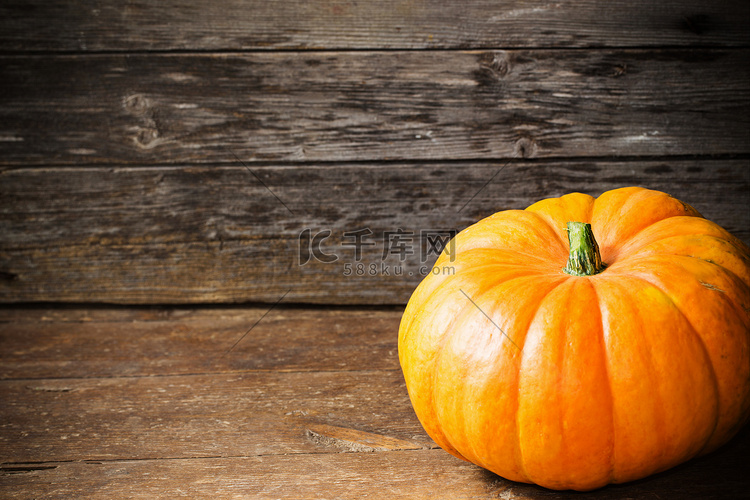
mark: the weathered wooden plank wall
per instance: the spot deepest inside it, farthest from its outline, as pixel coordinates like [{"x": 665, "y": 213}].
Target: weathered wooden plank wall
[
  {"x": 108, "y": 25},
  {"x": 346, "y": 106},
  {"x": 123, "y": 129},
  {"x": 214, "y": 233}
]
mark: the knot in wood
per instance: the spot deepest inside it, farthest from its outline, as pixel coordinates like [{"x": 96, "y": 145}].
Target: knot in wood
[
  {"x": 136, "y": 104},
  {"x": 494, "y": 65},
  {"x": 146, "y": 137},
  {"x": 526, "y": 148}
]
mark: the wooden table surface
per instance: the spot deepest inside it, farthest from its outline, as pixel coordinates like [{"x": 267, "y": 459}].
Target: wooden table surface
[
  {"x": 162, "y": 163},
  {"x": 156, "y": 402}
]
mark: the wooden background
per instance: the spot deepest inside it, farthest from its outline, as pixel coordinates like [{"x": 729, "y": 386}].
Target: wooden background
[
  {"x": 160, "y": 162},
  {"x": 124, "y": 129}
]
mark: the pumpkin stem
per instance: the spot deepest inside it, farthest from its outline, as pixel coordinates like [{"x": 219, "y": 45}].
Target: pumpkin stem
[{"x": 584, "y": 258}]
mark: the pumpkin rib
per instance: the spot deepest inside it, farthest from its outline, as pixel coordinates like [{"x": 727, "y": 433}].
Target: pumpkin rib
[
  {"x": 444, "y": 280},
  {"x": 724, "y": 268},
  {"x": 521, "y": 461},
  {"x": 436, "y": 282},
  {"x": 607, "y": 218},
  {"x": 465, "y": 311},
  {"x": 575, "y": 206},
  {"x": 521, "y": 344},
  {"x": 515, "y": 221},
  {"x": 539, "y": 267},
  {"x": 435, "y": 375},
  {"x": 442, "y": 438},
  {"x": 739, "y": 316},
  {"x": 609, "y": 381},
  {"x": 649, "y": 370},
  {"x": 435, "y": 368},
  {"x": 675, "y": 230},
  {"x": 404, "y": 333},
  {"x": 570, "y": 407},
  {"x": 704, "y": 347},
  {"x": 530, "y": 261},
  {"x": 447, "y": 282},
  {"x": 732, "y": 298}
]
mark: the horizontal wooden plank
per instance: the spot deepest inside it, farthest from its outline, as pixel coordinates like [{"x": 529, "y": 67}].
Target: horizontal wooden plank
[
  {"x": 339, "y": 106},
  {"x": 230, "y": 414},
  {"x": 198, "y": 234},
  {"x": 62, "y": 314},
  {"x": 395, "y": 475},
  {"x": 42, "y": 343},
  {"x": 254, "y": 24}
]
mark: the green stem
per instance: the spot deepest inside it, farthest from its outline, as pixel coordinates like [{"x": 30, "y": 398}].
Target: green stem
[{"x": 584, "y": 258}]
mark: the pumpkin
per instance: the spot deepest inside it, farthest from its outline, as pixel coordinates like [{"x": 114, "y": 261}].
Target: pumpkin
[{"x": 582, "y": 341}]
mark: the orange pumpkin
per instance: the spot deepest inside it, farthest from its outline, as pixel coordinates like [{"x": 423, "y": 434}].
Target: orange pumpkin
[{"x": 633, "y": 359}]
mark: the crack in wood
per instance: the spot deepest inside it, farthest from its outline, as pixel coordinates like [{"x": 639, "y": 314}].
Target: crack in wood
[
  {"x": 50, "y": 389},
  {"x": 7, "y": 470},
  {"x": 353, "y": 440}
]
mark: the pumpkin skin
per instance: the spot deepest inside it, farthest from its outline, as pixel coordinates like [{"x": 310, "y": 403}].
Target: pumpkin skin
[{"x": 575, "y": 382}]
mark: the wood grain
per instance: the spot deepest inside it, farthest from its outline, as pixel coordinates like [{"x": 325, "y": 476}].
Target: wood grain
[
  {"x": 327, "y": 433},
  {"x": 409, "y": 474},
  {"x": 108, "y": 25},
  {"x": 146, "y": 109},
  {"x": 39, "y": 343},
  {"x": 219, "y": 233},
  {"x": 229, "y": 414}
]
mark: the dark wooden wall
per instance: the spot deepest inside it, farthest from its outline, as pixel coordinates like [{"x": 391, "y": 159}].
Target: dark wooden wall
[{"x": 175, "y": 152}]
